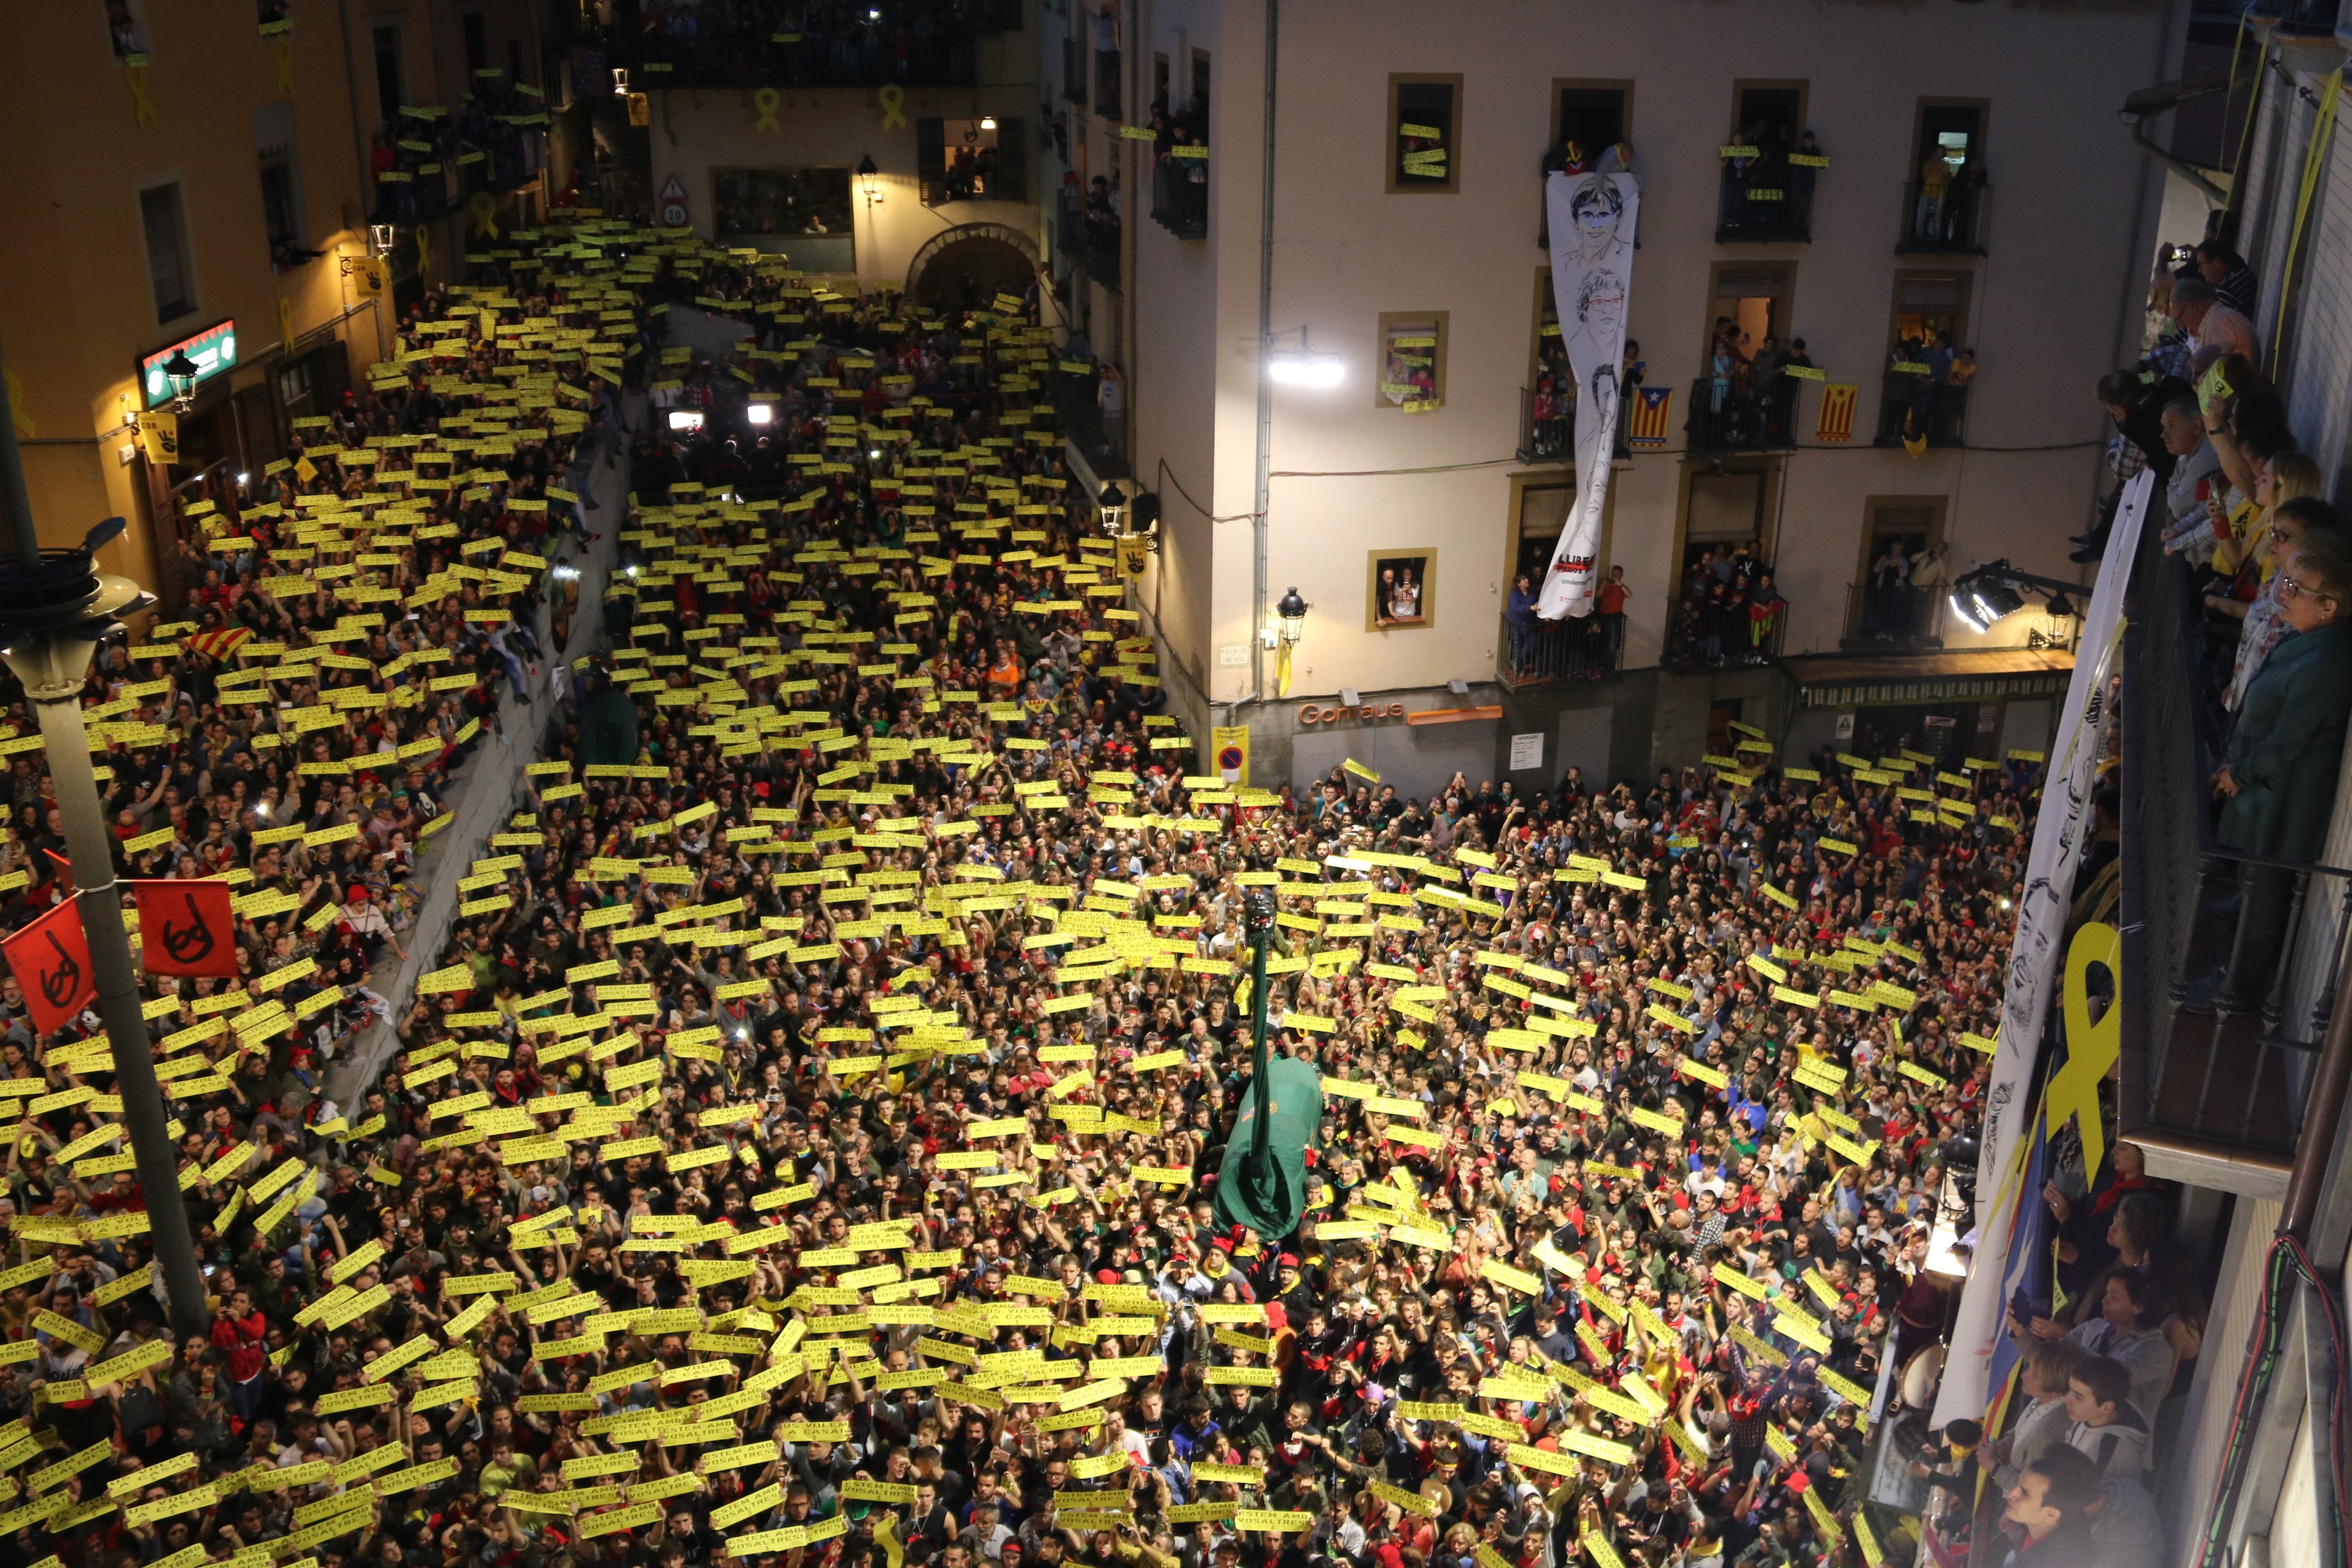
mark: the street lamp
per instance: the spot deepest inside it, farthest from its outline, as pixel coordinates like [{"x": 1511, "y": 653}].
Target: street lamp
[
  {"x": 54, "y": 609},
  {"x": 1290, "y": 614},
  {"x": 381, "y": 237},
  {"x": 868, "y": 183},
  {"x": 181, "y": 372}
]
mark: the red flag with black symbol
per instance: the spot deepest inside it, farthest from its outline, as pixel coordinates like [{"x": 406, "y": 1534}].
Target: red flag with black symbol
[
  {"x": 50, "y": 959},
  {"x": 187, "y": 926}
]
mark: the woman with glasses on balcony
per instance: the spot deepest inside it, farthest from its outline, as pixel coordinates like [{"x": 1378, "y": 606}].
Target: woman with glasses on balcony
[{"x": 2277, "y": 782}]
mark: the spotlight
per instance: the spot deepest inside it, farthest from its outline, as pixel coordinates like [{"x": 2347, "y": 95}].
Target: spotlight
[
  {"x": 761, "y": 414},
  {"x": 1298, "y": 368},
  {"x": 686, "y": 419}
]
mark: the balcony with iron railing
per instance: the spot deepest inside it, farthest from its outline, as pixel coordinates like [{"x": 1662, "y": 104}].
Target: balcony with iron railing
[
  {"x": 1716, "y": 633},
  {"x": 1952, "y": 219},
  {"x": 2230, "y": 960},
  {"x": 1548, "y": 426},
  {"x": 1530, "y": 651},
  {"x": 1099, "y": 439},
  {"x": 1766, "y": 199},
  {"x": 1883, "y": 617},
  {"x": 1180, "y": 190},
  {"x": 1914, "y": 402},
  {"x": 1726, "y": 416}
]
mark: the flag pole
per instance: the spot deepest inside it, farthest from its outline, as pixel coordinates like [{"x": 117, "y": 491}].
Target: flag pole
[
  {"x": 1257, "y": 912},
  {"x": 54, "y": 611}
]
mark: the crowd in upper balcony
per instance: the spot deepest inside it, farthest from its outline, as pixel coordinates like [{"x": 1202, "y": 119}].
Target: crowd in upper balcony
[{"x": 812, "y": 42}]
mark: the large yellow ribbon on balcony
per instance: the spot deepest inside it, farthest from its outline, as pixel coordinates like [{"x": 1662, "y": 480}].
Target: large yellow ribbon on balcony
[
  {"x": 424, "y": 248},
  {"x": 134, "y": 77},
  {"x": 894, "y": 102},
  {"x": 485, "y": 208},
  {"x": 768, "y": 98},
  {"x": 2091, "y": 1048},
  {"x": 286, "y": 64}
]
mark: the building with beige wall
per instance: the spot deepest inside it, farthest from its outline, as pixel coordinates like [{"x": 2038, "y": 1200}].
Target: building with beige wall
[
  {"x": 199, "y": 172},
  {"x": 2034, "y": 257}
]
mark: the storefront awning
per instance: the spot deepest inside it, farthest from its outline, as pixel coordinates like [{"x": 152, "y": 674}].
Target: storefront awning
[{"x": 1839, "y": 681}]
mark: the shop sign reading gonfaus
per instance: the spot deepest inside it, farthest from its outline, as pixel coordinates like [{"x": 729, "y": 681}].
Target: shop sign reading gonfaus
[
  {"x": 213, "y": 350},
  {"x": 1328, "y": 713}
]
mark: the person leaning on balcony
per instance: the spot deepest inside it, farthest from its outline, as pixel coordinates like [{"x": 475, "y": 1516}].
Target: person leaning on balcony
[
  {"x": 2227, "y": 271},
  {"x": 2277, "y": 784},
  {"x": 2247, "y": 557},
  {"x": 2213, "y": 328},
  {"x": 2046, "y": 1514},
  {"x": 2196, "y": 473}
]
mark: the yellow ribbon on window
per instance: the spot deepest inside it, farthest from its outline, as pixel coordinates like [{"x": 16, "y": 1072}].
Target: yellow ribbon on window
[
  {"x": 134, "y": 77},
  {"x": 424, "y": 249},
  {"x": 768, "y": 98},
  {"x": 894, "y": 101},
  {"x": 485, "y": 208},
  {"x": 286, "y": 65}
]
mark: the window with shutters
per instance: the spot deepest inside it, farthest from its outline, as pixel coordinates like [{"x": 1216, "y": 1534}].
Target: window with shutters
[{"x": 171, "y": 271}]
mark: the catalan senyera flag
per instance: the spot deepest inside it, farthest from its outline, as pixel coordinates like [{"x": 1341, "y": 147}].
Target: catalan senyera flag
[
  {"x": 1647, "y": 423},
  {"x": 1836, "y": 422},
  {"x": 222, "y": 643}
]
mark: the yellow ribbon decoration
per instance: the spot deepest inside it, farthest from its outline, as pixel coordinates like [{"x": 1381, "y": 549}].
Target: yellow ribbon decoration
[
  {"x": 894, "y": 101},
  {"x": 485, "y": 208},
  {"x": 1282, "y": 673},
  {"x": 24, "y": 421},
  {"x": 134, "y": 77},
  {"x": 285, "y": 65},
  {"x": 286, "y": 322},
  {"x": 424, "y": 248},
  {"x": 768, "y": 98}
]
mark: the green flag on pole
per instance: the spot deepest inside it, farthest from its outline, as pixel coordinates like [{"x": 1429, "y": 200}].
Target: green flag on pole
[{"x": 1262, "y": 1183}]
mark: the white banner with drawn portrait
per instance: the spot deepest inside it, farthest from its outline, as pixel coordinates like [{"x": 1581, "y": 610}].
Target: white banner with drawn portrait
[{"x": 1591, "y": 219}]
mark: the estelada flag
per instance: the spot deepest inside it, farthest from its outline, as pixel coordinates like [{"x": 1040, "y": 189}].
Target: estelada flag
[
  {"x": 1646, "y": 424},
  {"x": 50, "y": 959},
  {"x": 1836, "y": 423},
  {"x": 187, "y": 926}
]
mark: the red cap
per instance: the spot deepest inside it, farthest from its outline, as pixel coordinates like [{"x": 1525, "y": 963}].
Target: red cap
[
  {"x": 1106, "y": 1276},
  {"x": 358, "y": 895}
]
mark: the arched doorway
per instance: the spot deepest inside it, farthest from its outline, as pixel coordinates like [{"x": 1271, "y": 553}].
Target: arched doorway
[{"x": 968, "y": 266}]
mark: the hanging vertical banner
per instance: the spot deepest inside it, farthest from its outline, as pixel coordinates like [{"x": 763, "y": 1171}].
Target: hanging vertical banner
[
  {"x": 2034, "y": 956},
  {"x": 1592, "y": 218},
  {"x": 1229, "y": 749},
  {"x": 159, "y": 436},
  {"x": 50, "y": 959}
]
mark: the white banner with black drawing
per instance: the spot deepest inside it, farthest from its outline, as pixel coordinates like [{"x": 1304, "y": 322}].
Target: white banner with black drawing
[
  {"x": 1591, "y": 220},
  {"x": 2033, "y": 957}
]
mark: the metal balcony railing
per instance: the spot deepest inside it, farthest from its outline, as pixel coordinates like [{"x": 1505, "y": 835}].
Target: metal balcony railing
[
  {"x": 1179, "y": 191},
  {"x": 1722, "y": 419},
  {"x": 1547, "y": 435},
  {"x": 1893, "y": 620},
  {"x": 1952, "y": 223},
  {"x": 2261, "y": 938},
  {"x": 1704, "y": 632},
  {"x": 773, "y": 43},
  {"x": 1765, "y": 201},
  {"x": 1077, "y": 406},
  {"x": 1530, "y": 651},
  {"x": 1913, "y": 404}
]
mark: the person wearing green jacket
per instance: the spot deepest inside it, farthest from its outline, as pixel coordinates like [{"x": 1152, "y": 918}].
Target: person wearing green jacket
[{"x": 2277, "y": 782}]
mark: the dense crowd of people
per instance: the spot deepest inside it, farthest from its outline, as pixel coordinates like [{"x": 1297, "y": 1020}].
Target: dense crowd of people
[{"x": 803, "y": 1148}]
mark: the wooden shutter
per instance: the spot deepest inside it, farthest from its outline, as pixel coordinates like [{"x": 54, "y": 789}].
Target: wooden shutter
[{"x": 931, "y": 160}]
